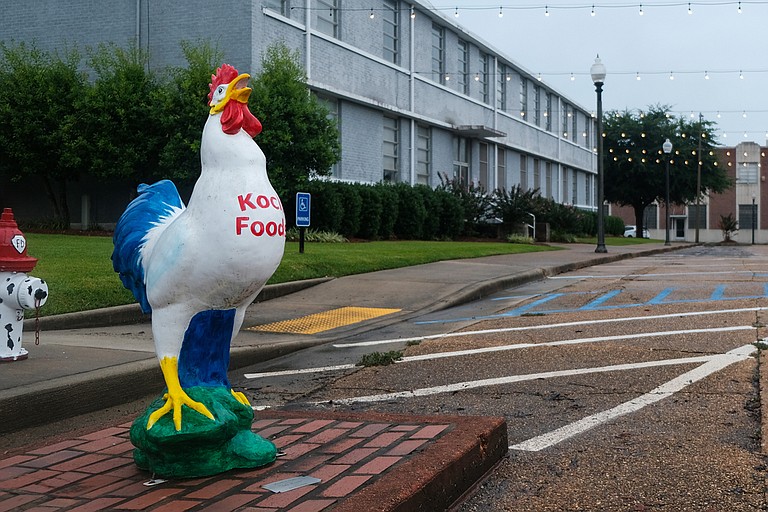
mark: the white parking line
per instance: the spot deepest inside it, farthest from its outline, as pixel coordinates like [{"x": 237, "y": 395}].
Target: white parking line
[
  {"x": 740, "y": 353},
  {"x": 502, "y": 348},
  {"x": 714, "y": 364},
  {"x": 546, "y": 326}
]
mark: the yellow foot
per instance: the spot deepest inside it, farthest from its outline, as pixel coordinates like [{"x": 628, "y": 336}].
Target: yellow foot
[
  {"x": 175, "y": 397},
  {"x": 240, "y": 397}
]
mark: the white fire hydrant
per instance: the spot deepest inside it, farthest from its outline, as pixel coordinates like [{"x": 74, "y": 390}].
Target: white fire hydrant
[{"x": 19, "y": 292}]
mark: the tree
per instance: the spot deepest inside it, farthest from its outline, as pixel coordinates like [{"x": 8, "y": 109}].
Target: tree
[
  {"x": 38, "y": 119},
  {"x": 635, "y": 165},
  {"x": 300, "y": 139},
  {"x": 122, "y": 117},
  {"x": 186, "y": 110}
]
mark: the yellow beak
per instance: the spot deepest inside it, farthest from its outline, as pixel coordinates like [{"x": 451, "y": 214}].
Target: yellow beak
[{"x": 237, "y": 90}]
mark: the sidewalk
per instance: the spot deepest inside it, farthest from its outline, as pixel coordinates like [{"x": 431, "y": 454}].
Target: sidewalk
[{"x": 109, "y": 359}]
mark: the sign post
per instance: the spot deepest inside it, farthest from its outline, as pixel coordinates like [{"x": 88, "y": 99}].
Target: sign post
[{"x": 303, "y": 208}]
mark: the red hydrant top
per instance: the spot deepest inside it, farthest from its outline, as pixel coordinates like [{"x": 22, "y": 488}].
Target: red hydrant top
[{"x": 13, "y": 246}]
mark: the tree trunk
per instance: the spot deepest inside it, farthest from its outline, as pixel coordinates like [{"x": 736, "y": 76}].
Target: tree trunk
[
  {"x": 51, "y": 197},
  {"x": 63, "y": 203}
]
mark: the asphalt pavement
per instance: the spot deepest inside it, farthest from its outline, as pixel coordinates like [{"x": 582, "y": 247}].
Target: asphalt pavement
[{"x": 91, "y": 360}]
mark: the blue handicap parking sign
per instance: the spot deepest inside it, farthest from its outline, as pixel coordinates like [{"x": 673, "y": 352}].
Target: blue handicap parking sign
[{"x": 303, "y": 207}]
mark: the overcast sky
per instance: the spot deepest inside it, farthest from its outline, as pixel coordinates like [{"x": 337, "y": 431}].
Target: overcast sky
[{"x": 665, "y": 40}]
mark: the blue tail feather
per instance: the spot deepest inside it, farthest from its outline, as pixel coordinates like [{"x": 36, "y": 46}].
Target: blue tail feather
[{"x": 154, "y": 202}]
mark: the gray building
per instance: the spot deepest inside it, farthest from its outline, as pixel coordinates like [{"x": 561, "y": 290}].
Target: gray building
[{"x": 414, "y": 93}]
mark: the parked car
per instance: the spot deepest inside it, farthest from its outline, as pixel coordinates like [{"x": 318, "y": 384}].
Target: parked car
[{"x": 631, "y": 232}]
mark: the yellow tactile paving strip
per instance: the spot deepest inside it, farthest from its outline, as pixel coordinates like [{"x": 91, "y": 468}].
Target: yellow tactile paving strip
[{"x": 325, "y": 321}]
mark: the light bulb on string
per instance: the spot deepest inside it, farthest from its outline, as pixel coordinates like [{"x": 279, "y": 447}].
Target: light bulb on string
[
  {"x": 690, "y": 10},
  {"x": 741, "y": 75},
  {"x": 744, "y": 114},
  {"x": 371, "y": 15},
  {"x": 501, "y": 12},
  {"x": 593, "y": 10},
  {"x": 641, "y": 10},
  {"x": 572, "y": 77},
  {"x": 706, "y": 75},
  {"x": 738, "y": 10},
  {"x": 413, "y": 13},
  {"x": 456, "y": 13},
  {"x": 671, "y": 75},
  {"x": 637, "y": 77},
  {"x": 546, "y": 10}
]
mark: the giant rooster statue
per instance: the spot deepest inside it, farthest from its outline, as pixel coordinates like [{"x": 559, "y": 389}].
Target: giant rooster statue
[{"x": 196, "y": 269}]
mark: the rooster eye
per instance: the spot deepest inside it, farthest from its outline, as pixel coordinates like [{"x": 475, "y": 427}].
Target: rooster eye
[{"x": 220, "y": 90}]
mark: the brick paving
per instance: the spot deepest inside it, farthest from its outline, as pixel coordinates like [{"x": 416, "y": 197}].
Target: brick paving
[{"x": 352, "y": 456}]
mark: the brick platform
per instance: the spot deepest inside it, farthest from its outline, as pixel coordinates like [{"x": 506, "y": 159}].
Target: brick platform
[{"x": 365, "y": 462}]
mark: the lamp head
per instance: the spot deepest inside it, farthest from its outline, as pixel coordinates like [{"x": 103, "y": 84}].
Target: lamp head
[
  {"x": 598, "y": 71},
  {"x": 667, "y": 147}
]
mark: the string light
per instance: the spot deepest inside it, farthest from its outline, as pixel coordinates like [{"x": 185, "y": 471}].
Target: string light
[
  {"x": 593, "y": 10},
  {"x": 546, "y": 10},
  {"x": 706, "y": 75},
  {"x": 690, "y": 11},
  {"x": 738, "y": 10},
  {"x": 456, "y": 13},
  {"x": 638, "y": 76},
  {"x": 501, "y": 13},
  {"x": 641, "y": 9},
  {"x": 371, "y": 16},
  {"x": 671, "y": 75},
  {"x": 741, "y": 75},
  {"x": 413, "y": 13}
]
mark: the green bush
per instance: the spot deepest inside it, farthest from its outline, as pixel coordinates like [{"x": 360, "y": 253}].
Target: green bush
[
  {"x": 370, "y": 212},
  {"x": 410, "y": 213},
  {"x": 327, "y": 206},
  {"x": 450, "y": 213},
  {"x": 389, "y": 210},
  {"x": 432, "y": 204},
  {"x": 352, "y": 204}
]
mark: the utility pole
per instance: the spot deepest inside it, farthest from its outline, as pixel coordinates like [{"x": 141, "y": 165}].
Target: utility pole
[{"x": 698, "y": 179}]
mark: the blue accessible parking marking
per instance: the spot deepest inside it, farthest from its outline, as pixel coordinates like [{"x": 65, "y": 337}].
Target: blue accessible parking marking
[{"x": 602, "y": 303}]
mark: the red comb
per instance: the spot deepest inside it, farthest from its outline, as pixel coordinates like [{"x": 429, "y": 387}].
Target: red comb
[{"x": 224, "y": 75}]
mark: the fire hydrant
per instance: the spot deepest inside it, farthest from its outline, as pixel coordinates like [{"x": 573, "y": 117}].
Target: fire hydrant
[{"x": 18, "y": 291}]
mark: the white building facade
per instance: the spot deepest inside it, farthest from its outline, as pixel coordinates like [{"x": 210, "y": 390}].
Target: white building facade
[{"x": 413, "y": 92}]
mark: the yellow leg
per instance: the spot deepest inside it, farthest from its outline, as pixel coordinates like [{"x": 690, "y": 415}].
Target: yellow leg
[
  {"x": 240, "y": 397},
  {"x": 176, "y": 397}
]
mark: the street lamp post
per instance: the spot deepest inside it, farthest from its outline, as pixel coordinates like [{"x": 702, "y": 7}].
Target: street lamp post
[
  {"x": 667, "y": 148},
  {"x": 598, "y": 76},
  {"x": 754, "y": 219}
]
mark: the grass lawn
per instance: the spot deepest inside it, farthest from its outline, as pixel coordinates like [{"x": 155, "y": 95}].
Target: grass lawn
[{"x": 78, "y": 269}]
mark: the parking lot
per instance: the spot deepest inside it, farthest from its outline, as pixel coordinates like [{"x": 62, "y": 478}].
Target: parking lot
[{"x": 627, "y": 386}]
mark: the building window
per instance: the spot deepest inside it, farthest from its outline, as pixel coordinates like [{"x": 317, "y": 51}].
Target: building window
[
  {"x": 566, "y": 117},
  {"x": 564, "y": 184},
  {"x": 587, "y": 132},
  {"x": 463, "y": 77},
  {"x": 697, "y": 216},
  {"x": 746, "y": 173},
  {"x": 332, "y": 104},
  {"x": 423, "y": 154},
  {"x": 575, "y": 186},
  {"x": 482, "y": 77},
  {"x": 390, "y": 150},
  {"x": 537, "y": 105},
  {"x": 548, "y": 180},
  {"x": 438, "y": 53},
  {"x": 548, "y": 112},
  {"x": 575, "y": 128},
  {"x": 501, "y": 169},
  {"x": 748, "y": 217},
  {"x": 523, "y": 172},
  {"x": 501, "y": 87},
  {"x": 590, "y": 182},
  {"x": 483, "y": 157},
  {"x": 327, "y": 17},
  {"x": 281, "y": 6},
  {"x": 536, "y": 174},
  {"x": 390, "y": 16},
  {"x": 523, "y": 97},
  {"x": 650, "y": 217},
  {"x": 461, "y": 160}
]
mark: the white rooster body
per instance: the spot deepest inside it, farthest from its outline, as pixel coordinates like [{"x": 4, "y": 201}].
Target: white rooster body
[{"x": 198, "y": 268}]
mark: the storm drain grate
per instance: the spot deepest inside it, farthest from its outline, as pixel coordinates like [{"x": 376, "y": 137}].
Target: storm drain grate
[{"x": 325, "y": 321}]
